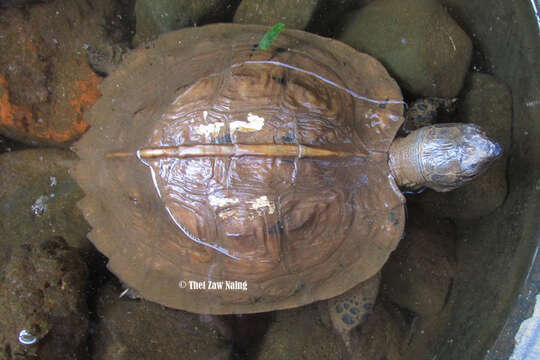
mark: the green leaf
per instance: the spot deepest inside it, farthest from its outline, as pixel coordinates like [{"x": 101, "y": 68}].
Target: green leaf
[
  {"x": 270, "y": 36},
  {"x": 537, "y": 184}
]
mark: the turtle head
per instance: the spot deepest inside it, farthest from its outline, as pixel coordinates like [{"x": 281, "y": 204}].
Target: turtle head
[{"x": 442, "y": 157}]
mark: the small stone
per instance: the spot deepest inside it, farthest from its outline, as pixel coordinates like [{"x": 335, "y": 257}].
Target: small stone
[
  {"x": 294, "y": 14},
  {"x": 417, "y": 41},
  {"x": 486, "y": 102}
]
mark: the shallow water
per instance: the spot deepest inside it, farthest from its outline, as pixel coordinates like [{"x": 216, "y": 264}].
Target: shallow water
[{"x": 492, "y": 253}]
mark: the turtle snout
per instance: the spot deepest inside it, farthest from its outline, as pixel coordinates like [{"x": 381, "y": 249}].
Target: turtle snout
[
  {"x": 481, "y": 152},
  {"x": 454, "y": 154},
  {"x": 496, "y": 150},
  {"x": 485, "y": 150}
]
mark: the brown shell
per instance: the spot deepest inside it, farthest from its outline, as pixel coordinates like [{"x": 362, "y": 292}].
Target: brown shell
[{"x": 296, "y": 230}]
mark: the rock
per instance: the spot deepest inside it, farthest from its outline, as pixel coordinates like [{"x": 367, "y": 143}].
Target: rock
[
  {"x": 381, "y": 336},
  {"x": 426, "y": 336},
  {"x": 329, "y": 13},
  {"x": 417, "y": 41},
  {"x": 155, "y": 17},
  {"x": 419, "y": 273},
  {"x": 42, "y": 302},
  {"x": 486, "y": 102},
  {"x": 20, "y": 3},
  {"x": 294, "y": 14},
  {"x": 139, "y": 329},
  {"x": 300, "y": 334},
  {"x": 38, "y": 200},
  {"x": 45, "y": 81}
]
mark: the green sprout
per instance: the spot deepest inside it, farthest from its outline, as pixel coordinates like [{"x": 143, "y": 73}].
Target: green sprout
[{"x": 270, "y": 36}]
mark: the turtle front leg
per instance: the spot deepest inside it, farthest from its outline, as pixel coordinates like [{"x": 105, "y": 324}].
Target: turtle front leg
[
  {"x": 424, "y": 112},
  {"x": 351, "y": 309}
]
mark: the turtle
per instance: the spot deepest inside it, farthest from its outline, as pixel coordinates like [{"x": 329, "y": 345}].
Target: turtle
[{"x": 220, "y": 178}]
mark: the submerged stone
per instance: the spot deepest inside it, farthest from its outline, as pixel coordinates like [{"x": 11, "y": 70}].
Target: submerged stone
[
  {"x": 38, "y": 200},
  {"x": 418, "y": 42},
  {"x": 294, "y": 14},
  {"x": 43, "y": 309},
  {"x": 419, "y": 273}
]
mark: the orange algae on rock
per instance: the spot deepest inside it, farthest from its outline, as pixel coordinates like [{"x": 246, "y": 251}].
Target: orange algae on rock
[
  {"x": 13, "y": 118},
  {"x": 47, "y": 83},
  {"x": 87, "y": 94},
  {"x": 28, "y": 122}
]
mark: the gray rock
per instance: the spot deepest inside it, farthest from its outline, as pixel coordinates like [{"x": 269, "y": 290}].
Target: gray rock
[
  {"x": 155, "y": 17},
  {"x": 43, "y": 311},
  {"x": 420, "y": 271},
  {"x": 294, "y": 14},
  {"x": 417, "y": 41},
  {"x": 486, "y": 102},
  {"x": 139, "y": 329},
  {"x": 38, "y": 200}
]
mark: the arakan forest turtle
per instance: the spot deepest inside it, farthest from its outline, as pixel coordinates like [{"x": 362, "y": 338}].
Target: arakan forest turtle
[{"x": 221, "y": 178}]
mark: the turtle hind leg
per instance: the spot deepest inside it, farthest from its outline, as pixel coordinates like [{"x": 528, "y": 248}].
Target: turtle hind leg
[
  {"x": 424, "y": 112},
  {"x": 351, "y": 309}
]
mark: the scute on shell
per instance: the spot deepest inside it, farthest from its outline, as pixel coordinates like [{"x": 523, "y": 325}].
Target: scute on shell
[{"x": 297, "y": 230}]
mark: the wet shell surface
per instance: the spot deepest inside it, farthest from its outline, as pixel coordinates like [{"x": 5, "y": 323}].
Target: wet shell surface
[{"x": 295, "y": 227}]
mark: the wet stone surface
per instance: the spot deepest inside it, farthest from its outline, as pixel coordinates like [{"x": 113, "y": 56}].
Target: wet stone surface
[
  {"x": 417, "y": 41},
  {"x": 43, "y": 311}
]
